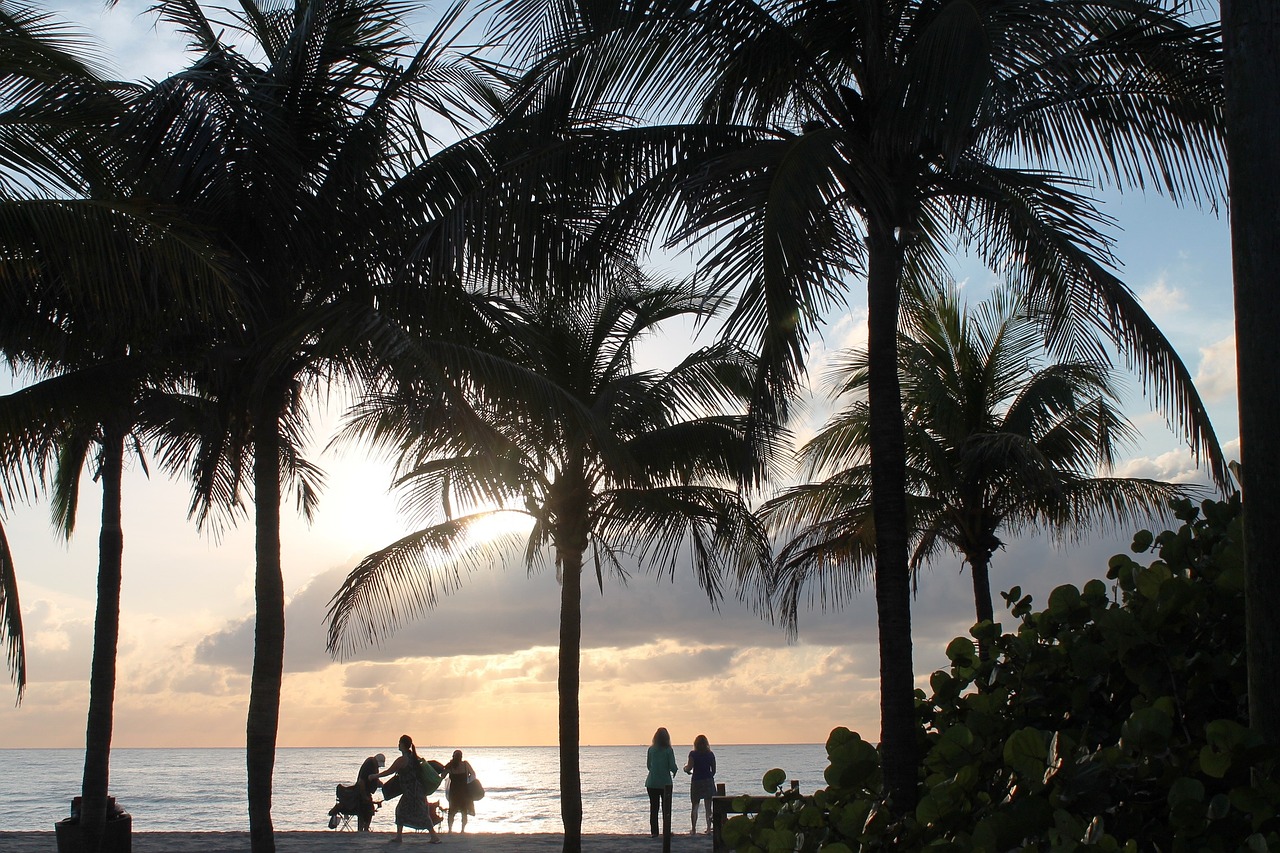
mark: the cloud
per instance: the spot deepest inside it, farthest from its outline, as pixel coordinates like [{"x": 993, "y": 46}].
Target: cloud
[
  {"x": 55, "y": 640},
  {"x": 665, "y": 662},
  {"x": 1174, "y": 466},
  {"x": 1216, "y": 374},
  {"x": 1160, "y": 297}
]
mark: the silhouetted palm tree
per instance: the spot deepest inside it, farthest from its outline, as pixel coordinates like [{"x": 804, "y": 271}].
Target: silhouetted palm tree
[
  {"x": 301, "y": 137},
  {"x": 891, "y": 131},
  {"x": 1251, "y": 34},
  {"x": 605, "y": 458},
  {"x": 998, "y": 441},
  {"x": 94, "y": 276}
]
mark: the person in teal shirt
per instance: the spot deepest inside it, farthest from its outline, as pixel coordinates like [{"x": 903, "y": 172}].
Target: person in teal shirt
[{"x": 662, "y": 772}]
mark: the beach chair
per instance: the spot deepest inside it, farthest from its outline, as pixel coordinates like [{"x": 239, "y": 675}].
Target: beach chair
[{"x": 348, "y": 806}]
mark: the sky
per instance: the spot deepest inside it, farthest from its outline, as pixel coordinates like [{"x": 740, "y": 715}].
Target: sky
[{"x": 481, "y": 668}]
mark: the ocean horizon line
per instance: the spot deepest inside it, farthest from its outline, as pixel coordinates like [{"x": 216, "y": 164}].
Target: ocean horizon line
[{"x": 427, "y": 745}]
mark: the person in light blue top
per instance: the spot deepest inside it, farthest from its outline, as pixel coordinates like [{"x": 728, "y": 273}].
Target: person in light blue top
[{"x": 662, "y": 772}]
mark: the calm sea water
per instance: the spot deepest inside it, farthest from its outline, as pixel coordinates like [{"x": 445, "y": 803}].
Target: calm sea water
[{"x": 203, "y": 789}]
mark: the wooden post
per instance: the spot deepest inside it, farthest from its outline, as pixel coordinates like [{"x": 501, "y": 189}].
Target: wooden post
[
  {"x": 666, "y": 819},
  {"x": 718, "y": 811}
]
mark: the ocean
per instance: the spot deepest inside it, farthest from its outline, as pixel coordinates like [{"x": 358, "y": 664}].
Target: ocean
[{"x": 202, "y": 790}]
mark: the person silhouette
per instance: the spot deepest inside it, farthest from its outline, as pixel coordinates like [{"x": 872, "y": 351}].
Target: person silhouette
[
  {"x": 702, "y": 767},
  {"x": 367, "y": 783},
  {"x": 412, "y": 809},
  {"x": 661, "y": 761},
  {"x": 459, "y": 793}
]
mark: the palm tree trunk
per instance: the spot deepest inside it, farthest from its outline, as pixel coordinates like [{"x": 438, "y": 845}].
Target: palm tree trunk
[
  {"x": 268, "y": 646},
  {"x": 1251, "y": 35},
  {"x": 980, "y": 568},
  {"x": 106, "y": 639},
  {"x": 568, "y": 682},
  {"x": 889, "y": 507}
]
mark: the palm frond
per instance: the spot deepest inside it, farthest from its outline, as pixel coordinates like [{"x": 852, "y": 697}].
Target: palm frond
[
  {"x": 713, "y": 527},
  {"x": 11, "y": 619},
  {"x": 404, "y": 580}
]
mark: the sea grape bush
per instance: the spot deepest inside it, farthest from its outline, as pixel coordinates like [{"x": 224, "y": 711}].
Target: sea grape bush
[{"x": 1112, "y": 720}]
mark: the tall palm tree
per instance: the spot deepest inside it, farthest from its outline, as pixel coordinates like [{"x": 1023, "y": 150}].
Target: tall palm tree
[
  {"x": 91, "y": 271},
  {"x": 1251, "y": 31},
  {"x": 301, "y": 137},
  {"x": 889, "y": 133},
  {"x": 604, "y": 457},
  {"x": 82, "y": 415},
  {"x": 997, "y": 442}
]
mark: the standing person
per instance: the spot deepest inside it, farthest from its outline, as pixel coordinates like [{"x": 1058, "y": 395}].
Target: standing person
[
  {"x": 366, "y": 783},
  {"x": 459, "y": 793},
  {"x": 412, "y": 810},
  {"x": 702, "y": 766},
  {"x": 661, "y": 761}
]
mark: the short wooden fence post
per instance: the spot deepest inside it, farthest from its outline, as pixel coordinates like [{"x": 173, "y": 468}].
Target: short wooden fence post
[{"x": 719, "y": 809}]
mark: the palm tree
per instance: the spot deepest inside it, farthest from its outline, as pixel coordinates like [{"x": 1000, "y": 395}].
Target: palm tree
[
  {"x": 300, "y": 137},
  {"x": 83, "y": 415},
  {"x": 997, "y": 442},
  {"x": 602, "y": 456},
  {"x": 1252, "y": 38},
  {"x": 889, "y": 132},
  {"x": 91, "y": 273}
]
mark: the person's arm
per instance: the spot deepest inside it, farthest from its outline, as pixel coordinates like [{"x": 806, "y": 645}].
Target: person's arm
[
  {"x": 395, "y": 765},
  {"x": 688, "y": 765},
  {"x": 713, "y": 764},
  {"x": 671, "y": 763}
]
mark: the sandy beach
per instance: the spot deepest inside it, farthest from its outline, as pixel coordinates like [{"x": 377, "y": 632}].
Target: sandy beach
[{"x": 343, "y": 842}]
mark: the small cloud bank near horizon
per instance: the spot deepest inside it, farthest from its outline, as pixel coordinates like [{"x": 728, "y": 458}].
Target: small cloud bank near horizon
[{"x": 481, "y": 668}]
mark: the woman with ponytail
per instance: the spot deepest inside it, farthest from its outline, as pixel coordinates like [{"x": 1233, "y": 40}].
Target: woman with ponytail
[{"x": 412, "y": 810}]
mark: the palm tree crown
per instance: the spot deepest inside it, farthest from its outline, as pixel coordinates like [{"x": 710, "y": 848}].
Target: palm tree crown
[{"x": 997, "y": 442}]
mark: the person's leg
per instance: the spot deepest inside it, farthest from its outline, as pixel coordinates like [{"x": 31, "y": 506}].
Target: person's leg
[
  {"x": 465, "y": 810},
  {"x": 707, "y": 801},
  {"x": 655, "y": 795},
  {"x": 693, "y": 817},
  {"x": 452, "y": 812}
]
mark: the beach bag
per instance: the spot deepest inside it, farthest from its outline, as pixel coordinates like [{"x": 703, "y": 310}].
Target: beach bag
[
  {"x": 430, "y": 777},
  {"x": 474, "y": 789}
]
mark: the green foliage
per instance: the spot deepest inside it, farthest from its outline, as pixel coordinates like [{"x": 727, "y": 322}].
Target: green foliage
[{"x": 1112, "y": 720}]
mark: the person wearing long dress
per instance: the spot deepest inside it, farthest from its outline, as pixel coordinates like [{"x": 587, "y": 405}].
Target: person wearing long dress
[
  {"x": 412, "y": 810},
  {"x": 460, "y": 776},
  {"x": 661, "y": 761}
]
